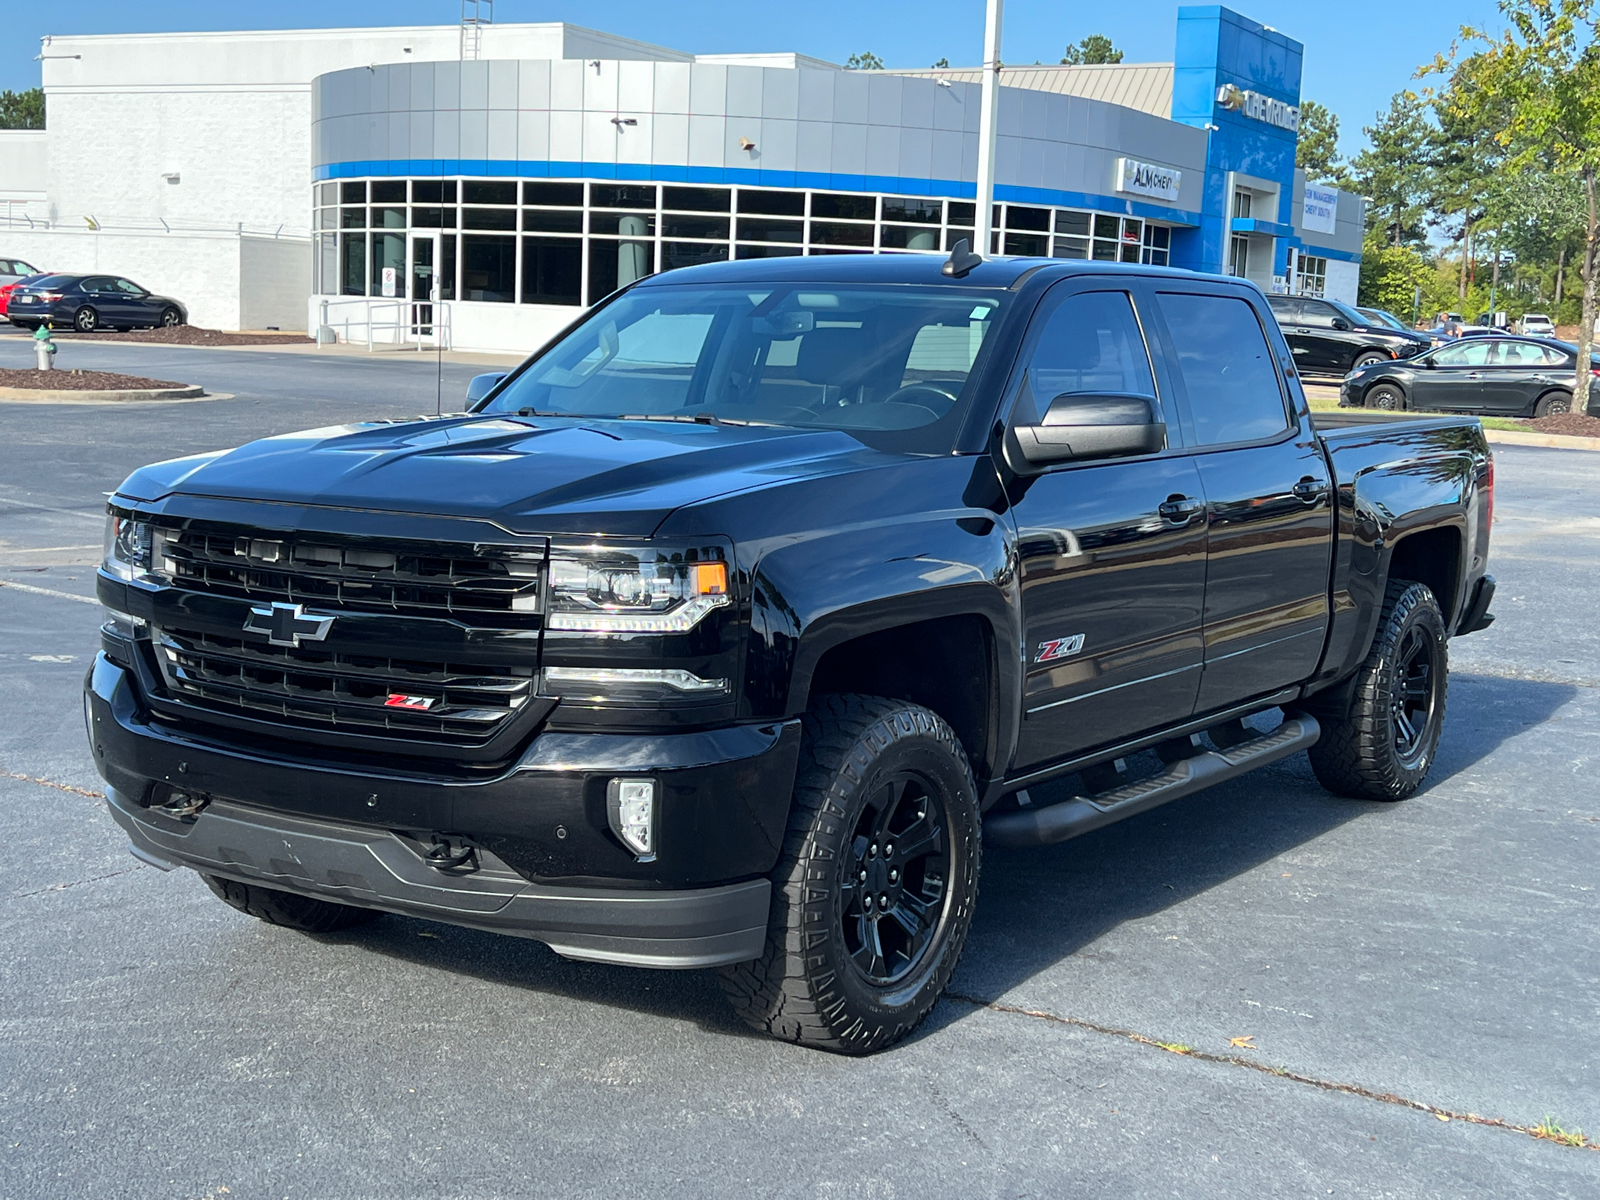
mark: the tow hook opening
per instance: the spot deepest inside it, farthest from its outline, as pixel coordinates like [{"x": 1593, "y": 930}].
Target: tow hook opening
[
  {"x": 178, "y": 804},
  {"x": 444, "y": 852}
]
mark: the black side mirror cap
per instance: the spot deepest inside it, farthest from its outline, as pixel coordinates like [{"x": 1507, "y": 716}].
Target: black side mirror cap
[
  {"x": 1087, "y": 425},
  {"x": 482, "y": 385},
  {"x": 1341, "y": 324}
]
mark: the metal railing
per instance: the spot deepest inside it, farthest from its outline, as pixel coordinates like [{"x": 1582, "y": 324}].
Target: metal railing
[{"x": 418, "y": 324}]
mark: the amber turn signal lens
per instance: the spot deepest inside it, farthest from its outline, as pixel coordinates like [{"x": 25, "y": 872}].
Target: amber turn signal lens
[{"x": 710, "y": 579}]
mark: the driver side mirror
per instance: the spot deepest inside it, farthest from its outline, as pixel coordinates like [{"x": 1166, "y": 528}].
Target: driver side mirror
[
  {"x": 1341, "y": 324},
  {"x": 482, "y": 385},
  {"x": 1083, "y": 425}
]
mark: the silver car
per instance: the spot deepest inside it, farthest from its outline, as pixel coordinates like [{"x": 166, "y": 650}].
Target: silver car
[{"x": 13, "y": 269}]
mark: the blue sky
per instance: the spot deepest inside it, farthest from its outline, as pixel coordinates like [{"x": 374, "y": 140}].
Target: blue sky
[{"x": 1358, "y": 52}]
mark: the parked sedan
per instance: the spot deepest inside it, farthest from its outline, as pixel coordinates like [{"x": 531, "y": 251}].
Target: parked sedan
[
  {"x": 1331, "y": 338},
  {"x": 13, "y": 269},
  {"x": 90, "y": 302},
  {"x": 7, "y": 288},
  {"x": 1507, "y": 376}
]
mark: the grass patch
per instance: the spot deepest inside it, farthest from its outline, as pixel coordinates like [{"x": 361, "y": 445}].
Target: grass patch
[{"x": 1551, "y": 1131}]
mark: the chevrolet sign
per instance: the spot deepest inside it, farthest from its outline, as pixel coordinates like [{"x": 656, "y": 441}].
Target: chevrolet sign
[
  {"x": 1258, "y": 107},
  {"x": 1147, "y": 179}
]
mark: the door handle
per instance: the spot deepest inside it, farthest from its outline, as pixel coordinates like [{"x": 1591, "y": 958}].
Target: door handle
[
  {"x": 1310, "y": 490},
  {"x": 1178, "y": 509}
]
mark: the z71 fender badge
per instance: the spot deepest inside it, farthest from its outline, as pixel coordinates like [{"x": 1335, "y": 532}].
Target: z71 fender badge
[{"x": 1059, "y": 648}]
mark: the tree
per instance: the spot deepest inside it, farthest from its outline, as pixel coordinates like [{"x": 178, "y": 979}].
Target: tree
[
  {"x": 1318, "y": 148},
  {"x": 1391, "y": 275},
  {"x": 1540, "y": 80},
  {"x": 867, "y": 61},
  {"x": 1093, "y": 50},
  {"x": 22, "y": 110},
  {"x": 1394, "y": 172},
  {"x": 1467, "y": 152},
  {"x": 941, "y": 65}
]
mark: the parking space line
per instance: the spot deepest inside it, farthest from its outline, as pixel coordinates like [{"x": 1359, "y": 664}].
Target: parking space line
[
  {"x": 48, "y": 549},
  {"x": 39, "y": 591}
]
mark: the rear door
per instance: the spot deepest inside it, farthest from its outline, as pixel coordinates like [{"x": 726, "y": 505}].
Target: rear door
[
  {"x": 1455, "y": 380},
  {"x": 1269, "y": 498},
  {"x": 1516, "y": 375},
  {"x": 1112, "y": 553}
]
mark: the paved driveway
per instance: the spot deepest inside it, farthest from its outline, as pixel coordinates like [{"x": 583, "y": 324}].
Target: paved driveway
[{"x": 1380, "y": 966}]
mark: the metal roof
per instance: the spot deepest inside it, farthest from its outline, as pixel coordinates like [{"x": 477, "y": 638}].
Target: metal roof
[{"x": 1143, "y": 86}]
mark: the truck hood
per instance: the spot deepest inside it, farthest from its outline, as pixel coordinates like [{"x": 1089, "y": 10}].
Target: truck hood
[{"x": 528, "y": 474}]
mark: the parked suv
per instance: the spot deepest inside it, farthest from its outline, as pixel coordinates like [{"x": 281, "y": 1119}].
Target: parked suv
[
  {"x": 1330, "y": 338},
  {"x": 91, "y": 302},
  {"x": 1536, "y": 325},
  {"x": 730, "y": 625}
]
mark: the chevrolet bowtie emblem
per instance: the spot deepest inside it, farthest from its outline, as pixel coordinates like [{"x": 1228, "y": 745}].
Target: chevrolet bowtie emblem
[{"x": 286, "y": 624}]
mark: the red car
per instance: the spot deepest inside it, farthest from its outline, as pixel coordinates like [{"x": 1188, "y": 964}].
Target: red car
[{"x": 7, "y": 288}]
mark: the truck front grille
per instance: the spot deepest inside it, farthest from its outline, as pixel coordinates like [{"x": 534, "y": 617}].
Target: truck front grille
[
  {"x": 310, "y": 688},
  {"x": 483, "y": 585}
]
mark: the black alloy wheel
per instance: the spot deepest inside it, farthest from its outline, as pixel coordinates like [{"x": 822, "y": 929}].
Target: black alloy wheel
[
  {"x": 1553, "y": 404},
  {"x": 1385, "y": 397},
  {"x": 86, "y": 320},
  {"x": 894, "y": 889},
  {"x": 1367, "y": 359},
  {"x": 170, "y": 317},
  {"x": 1415, "y": 696}
]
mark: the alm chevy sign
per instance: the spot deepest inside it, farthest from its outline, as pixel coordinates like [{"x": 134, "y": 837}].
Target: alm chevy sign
[
  {"x": 1146, "y": 179},
  {"x": 1259, "y": 108}
]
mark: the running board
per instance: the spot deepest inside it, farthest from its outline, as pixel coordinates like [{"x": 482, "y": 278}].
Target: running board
[{"x": 1081, "y": 814}]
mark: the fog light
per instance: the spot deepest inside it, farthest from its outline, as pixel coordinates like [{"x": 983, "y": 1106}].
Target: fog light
[{"x": 631, "y": 808}]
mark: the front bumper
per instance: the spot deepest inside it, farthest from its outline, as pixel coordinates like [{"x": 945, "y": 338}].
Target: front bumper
[{"x": 549, "y": 867}]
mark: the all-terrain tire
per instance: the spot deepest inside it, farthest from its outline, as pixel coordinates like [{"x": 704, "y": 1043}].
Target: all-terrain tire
[
  {"x": 1365, "y": 751},
  {"x": 287, "y": 909},
  {"x": 810, "y": 985}
]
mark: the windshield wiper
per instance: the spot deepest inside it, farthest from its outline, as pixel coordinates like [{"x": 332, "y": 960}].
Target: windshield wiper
[{"x": 701, "y": 418}]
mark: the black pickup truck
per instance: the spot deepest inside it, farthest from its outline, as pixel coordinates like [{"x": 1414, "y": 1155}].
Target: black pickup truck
[{"x": 724, "y": 630}]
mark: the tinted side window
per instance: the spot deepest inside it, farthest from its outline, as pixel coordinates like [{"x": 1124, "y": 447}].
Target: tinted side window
[
  {"x": 1473, "y": 352},
  {"x": 1089, "y": 342},
  {"x": 1285, "y": 309},
  {"x": 1319, "y": 315},
  {"x": 1226, "y": 366}
]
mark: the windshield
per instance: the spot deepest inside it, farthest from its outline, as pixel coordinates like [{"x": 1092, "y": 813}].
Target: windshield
[{"x": 889, "y": 364}]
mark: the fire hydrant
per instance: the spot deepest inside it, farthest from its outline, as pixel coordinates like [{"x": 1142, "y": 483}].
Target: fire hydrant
[{"x": 44, "y": 348}]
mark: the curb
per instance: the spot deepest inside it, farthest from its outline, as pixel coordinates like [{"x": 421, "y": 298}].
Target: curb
[
  {"x": 88, "y": 396},
  {"x": 1557, "y": 441}
]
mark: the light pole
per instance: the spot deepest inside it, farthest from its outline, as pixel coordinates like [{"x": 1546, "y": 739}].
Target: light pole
[{"x": 987, "y": 130}]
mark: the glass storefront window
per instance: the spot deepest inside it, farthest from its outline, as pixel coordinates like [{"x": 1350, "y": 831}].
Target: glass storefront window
[
  {"x": 1018, "y": 217},
  {"x": 353, "y": 193},
  {"x": 447, "y": 267},
  {"x": 552, "y": 270},
  {"x": 766, "y": 229},
  {"x": 433, "y": 191},
  {"x": 352, "y": 218},
  {"x": 747, "y": 251},
  {"x": 673, "y": 226},
  {"x": 388, "y": 218},
  {"x": 925, "y": 212},
  {"x": 488, "y": 218},
  {"x": 388, "y": 191},
  {"x": 553, "y": 195},
  {"x": 552, "y": 221},
  {"x": 1036, "y": 244},
  {"x": 777, "y": 204},
  {"x": 696, "y": 199},
  {"x": 828, "y": 233},
  {"x": 622, "y": 195},
  {"x": 1075, "y": 223},
  {"x": 431, "y": 217},
  {"x": 488, "y": 268},
  {"x": 617, "y": 263},
  {"x": 389, "y": 251},
  {"x": 690, "y": 254},
  {"x": 625, "y": 224},
  {"x": 903, "y": 237},
  {"x": 483, "y": 191},
  {"x": 848, "y": 205},
  {"x": 352, "y": 264}
]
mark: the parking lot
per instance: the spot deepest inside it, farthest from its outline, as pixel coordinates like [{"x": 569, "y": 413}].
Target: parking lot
[{"x": 1258, "y": 990}]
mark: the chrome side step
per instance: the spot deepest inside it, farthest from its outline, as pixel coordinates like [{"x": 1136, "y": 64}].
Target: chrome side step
[{"x": 1081, "y": 814}]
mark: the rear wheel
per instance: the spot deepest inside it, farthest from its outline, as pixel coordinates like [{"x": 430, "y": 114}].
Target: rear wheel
[
  {"x": 1553, "y": 404},
  {"x": 1386, "y": 398},
  {"x": 287, "y": 909},
  {"x": 86, "y": 320},
  {"x": 874, "y": 890},
  {"x": 171, "y": 317},
  {"x": 1367, "y": 359},
  {"x": 1381, "y": 746}
]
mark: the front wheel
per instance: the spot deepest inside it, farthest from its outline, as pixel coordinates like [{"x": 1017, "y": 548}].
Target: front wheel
[
  {"x": 1367, "y": 359},
  {"x": 86, "y": 320},
  {"x": 1386, "y": 398},
  {"x": 170, "y": 317},
  {"x": 1381, "y": 746},
  {"x": 875, "y": 887}
]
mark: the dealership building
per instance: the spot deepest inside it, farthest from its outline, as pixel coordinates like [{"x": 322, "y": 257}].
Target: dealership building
[{"x": 505, "y": 176}]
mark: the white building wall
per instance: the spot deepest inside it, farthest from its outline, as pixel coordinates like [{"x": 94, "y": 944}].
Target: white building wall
[
  {"x": 1344, "y": 281},
  {"x": 274, "y": 277}
]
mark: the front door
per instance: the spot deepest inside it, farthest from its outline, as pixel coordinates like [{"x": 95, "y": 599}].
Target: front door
[
  {"x": 1269, "y": 499},
  {"x": 1454, "y": 381},
  {"x": 1328, "y": 348},
  {"x": 1112, "y": 554},
  {"x": 423, "y": 281}
]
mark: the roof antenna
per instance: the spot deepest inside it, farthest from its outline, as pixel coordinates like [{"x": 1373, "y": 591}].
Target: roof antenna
[{"x": 961, "y": 260}]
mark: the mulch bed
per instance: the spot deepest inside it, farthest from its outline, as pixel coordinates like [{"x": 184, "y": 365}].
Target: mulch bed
[
  {"x": 81, "y": 381},
  {"x": 188, "y": 335},
  {"x": 1580, "y": 425}
]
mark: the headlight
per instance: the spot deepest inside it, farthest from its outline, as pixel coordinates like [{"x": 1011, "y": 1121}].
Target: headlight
[
  {"x": 133, "y": 547},
  {"x": 635, "y": 591}
]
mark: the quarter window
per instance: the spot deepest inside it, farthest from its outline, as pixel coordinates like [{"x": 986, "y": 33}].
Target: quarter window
[{"x": 1226, "y": 366}]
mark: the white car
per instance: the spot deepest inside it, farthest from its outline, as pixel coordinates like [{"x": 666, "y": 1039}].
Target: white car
[
  {"x": 13, "y": 269},
  {"x": 1537, "y": 325}
]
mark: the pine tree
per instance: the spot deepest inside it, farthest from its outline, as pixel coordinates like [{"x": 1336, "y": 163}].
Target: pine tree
[
  {"x": 1317, "y": 151},
  {"x": 1093, "y": 50},
  {"x": 1395, "y": 171}
]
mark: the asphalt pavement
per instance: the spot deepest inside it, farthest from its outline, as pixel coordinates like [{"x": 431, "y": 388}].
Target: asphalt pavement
[{"x": 1260, "y": 990}]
